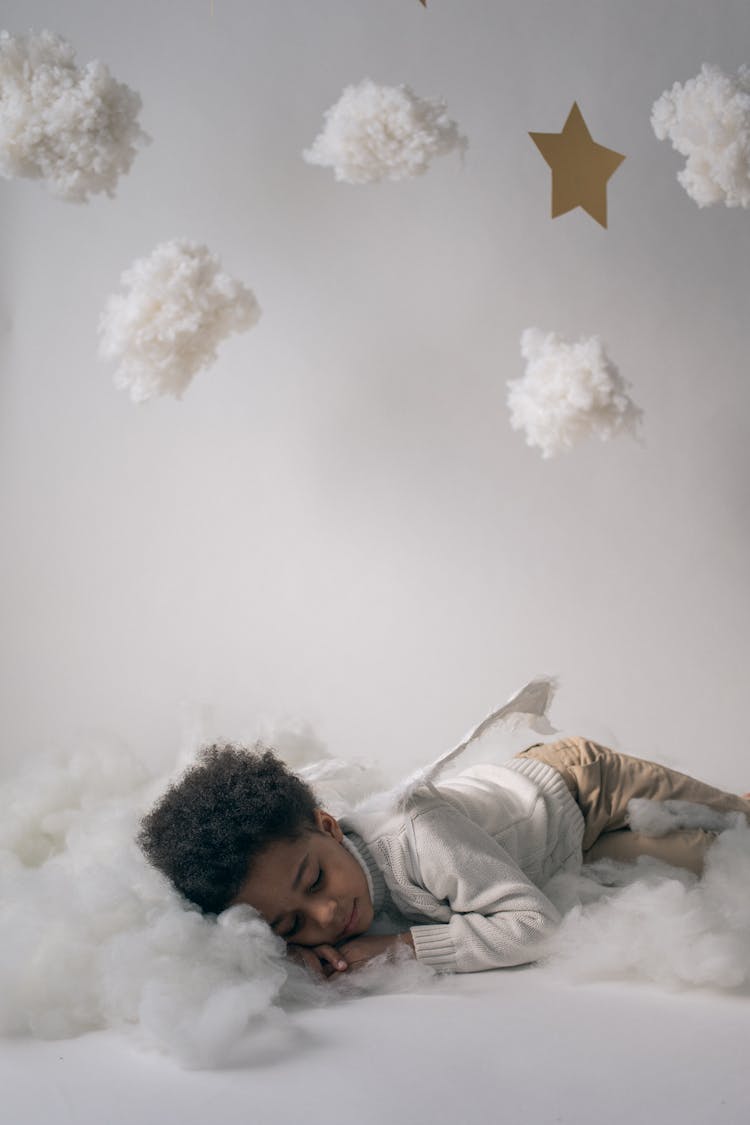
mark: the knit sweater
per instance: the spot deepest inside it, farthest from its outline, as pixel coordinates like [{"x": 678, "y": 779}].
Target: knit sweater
[{"x": 464, "y": 864}]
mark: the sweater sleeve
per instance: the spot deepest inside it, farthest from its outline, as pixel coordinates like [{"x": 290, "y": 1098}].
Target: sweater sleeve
[{"x": 498, "y": 915}]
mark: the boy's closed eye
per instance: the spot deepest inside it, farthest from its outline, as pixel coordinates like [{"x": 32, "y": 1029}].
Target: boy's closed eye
[{"x": 288, "y": 934}]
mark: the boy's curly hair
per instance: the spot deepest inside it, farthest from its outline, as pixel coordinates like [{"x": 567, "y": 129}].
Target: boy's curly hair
[{"x": 206, "y": 830}]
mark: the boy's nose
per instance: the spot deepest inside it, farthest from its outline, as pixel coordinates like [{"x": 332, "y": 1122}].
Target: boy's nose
[{"x": 324, "y": 911}]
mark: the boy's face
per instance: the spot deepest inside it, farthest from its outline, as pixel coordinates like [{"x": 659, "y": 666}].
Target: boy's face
[{"x": 311, "y": 891}]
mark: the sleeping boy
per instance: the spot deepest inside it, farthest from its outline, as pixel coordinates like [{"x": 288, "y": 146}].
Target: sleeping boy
[{"x": 452, "y": 870}]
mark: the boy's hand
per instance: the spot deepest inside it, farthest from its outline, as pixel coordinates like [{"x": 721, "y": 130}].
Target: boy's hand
[
  {"x": 325, "y": 961},
  {"x": 322, "y": 960},
  {"x": 362, "y": 949}
]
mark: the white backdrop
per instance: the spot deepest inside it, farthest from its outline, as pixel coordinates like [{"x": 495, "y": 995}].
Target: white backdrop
[{"x": 337, "y": 521}]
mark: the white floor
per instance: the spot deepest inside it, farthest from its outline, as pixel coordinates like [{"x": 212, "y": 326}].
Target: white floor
[{"x": 489, "y": 1047}]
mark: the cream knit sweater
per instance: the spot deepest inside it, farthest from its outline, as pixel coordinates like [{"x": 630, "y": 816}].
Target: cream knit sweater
[{"x": 465, "y": 863}]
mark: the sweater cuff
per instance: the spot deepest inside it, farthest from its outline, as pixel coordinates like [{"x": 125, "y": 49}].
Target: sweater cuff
[{"x": 434, "y": 946}]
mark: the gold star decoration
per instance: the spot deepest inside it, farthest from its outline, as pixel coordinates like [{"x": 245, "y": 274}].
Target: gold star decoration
[{"x": 580, "y": 167}]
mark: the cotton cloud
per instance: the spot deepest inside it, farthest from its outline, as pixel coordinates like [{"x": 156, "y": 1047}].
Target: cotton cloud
[
  {"x": 707, "y": 119},
  {"x": 92, "y": 937},
  {"x": 176, "y": 309},
  {"x": 75, "y": 128},
  {"x": 657, "y": 818},
  {"x": 568, "y": 392},
  {"x": 383, "y": 133},
  {"x": 647, "y": 921}
]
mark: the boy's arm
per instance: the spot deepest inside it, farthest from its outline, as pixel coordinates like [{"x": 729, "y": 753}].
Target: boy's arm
[
  {"x": 499, "y": 916},
  {"x": 359, "y": 950}
]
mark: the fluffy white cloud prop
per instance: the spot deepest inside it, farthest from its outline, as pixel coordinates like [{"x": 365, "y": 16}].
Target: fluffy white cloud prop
[
  {"x": 648, "y": 921},
  {"x": 569, "y": 390},
  {"x": 657, "y": 818},
  {"x": 177, "y": 308},
  {"x": 708, "y": 120},
  {"x": 74, "y": 127},
  {"x": 92, "y": 937},
  {"x": 383, "y": 132}
]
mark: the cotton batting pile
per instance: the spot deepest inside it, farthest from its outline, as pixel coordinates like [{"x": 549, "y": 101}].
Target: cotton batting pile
[
  {"x": 92, "y": 937},
  {"x": 176, "y": 309},
  {"x": 383, "y": 133},
  {"x": 647, "y": 921},
  {"x": 568, "y": 392},
  {"x": 707, "y": 119},
  {"x": 75, "y": 128}
]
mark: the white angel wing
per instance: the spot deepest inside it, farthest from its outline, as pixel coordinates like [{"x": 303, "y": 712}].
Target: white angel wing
[{"x": 527, "y": 707}]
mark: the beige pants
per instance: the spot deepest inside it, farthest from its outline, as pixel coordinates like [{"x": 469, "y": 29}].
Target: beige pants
[{"x": 603, "y": 781}]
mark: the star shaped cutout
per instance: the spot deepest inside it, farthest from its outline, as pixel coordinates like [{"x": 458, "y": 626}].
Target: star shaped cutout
[{"x": 580, "y": 167}]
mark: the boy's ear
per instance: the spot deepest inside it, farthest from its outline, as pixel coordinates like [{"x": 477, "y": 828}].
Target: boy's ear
[{"x": 328, "y": 825}]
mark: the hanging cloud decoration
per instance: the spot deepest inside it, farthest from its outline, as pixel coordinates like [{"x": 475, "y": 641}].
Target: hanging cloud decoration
[
  {"x": 177, "y": 308},
  {"x": 569, "y": 391},
  {"x": 74, "y": 127},
  {"x": 383, "y": 133},
  {"x": 708, "y": 120}
]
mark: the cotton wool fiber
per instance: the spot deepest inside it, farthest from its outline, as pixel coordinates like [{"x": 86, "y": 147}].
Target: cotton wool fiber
[
  {"x": 707, "y": 119},
  {"x": 568, "y": 392},
  {"x": 378, "y": 132},
  {"x": 649, "y": 921},
  {"x": 75, "y": 128},
  {"x": 176, "y": 309},
  {"x": 92, "y": 937}
]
